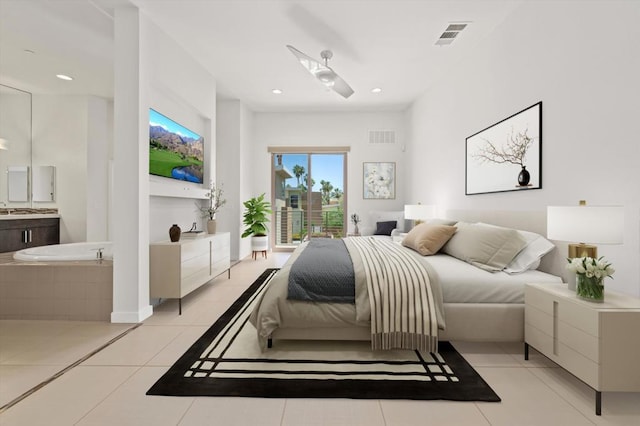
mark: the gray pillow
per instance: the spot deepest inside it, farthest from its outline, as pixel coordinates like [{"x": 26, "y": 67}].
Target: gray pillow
[{"x": 489, "y": 248}]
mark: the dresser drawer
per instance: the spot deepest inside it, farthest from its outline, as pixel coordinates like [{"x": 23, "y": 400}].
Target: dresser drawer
[{"x": 579, "y": 316}]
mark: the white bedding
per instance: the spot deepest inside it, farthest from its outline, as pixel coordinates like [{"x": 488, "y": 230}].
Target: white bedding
[
  {"x": 459, "y": 281},
  {"x": 462, "y": 282}
]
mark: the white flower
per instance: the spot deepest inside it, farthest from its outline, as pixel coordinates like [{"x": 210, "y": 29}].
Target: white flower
[{"x": 590, "y": 267}]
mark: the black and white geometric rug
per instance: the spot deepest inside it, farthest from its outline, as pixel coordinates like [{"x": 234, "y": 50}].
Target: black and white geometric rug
[{"x": 227, "y": 361}]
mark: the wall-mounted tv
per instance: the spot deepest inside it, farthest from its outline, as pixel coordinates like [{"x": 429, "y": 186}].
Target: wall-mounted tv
[{"x": 174, "y": 151}]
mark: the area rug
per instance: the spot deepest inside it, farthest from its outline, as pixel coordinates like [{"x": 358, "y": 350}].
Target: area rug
[{"x": 227, "y": 361}]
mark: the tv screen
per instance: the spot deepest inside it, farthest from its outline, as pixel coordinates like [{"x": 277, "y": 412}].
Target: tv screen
[{"x": 174, "y": 151}]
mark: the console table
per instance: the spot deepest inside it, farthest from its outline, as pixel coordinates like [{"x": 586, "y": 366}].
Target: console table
[
  {"x": 178, "y": 268},
  {"x": 599, "y": 343}
]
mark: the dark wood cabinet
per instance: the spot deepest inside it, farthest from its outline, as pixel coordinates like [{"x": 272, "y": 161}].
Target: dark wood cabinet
[{"x": 16, "y": 234}]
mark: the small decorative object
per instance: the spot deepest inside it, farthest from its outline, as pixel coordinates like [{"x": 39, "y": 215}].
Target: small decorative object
[
  {"x": 174, "y": 233},
  {"x": 355, "y": 219},
  {"x": 379, "y": 181},
  {"x": 590, "y": 275},
  {"x": 524, "y": 177},
  {"x": 215, "y": 203},
  {"x": 498, "y": 156}
]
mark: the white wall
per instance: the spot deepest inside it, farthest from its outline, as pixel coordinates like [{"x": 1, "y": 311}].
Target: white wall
[
  {"x": 333, "y": 129},
  {"x": 60, "y": 132},
  {"x": 151, "y": 71},
  {"x": 580, "y": 59}
]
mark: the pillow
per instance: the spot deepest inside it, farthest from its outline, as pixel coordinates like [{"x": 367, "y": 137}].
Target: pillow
[
  {"x": 385, "y": 228},
  {"x": 487, "y": 247},
  {"x": 439, "y": 221},
  {"x": 529, "y": 257},
  {"x": 427, "y": 239}
]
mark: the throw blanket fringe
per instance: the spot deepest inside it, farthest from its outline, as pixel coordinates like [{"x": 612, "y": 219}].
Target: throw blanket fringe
[{"x": 403, "y": 311}]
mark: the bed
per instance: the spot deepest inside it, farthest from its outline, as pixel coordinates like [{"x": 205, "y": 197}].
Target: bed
[{"x": 477, "y": 304}]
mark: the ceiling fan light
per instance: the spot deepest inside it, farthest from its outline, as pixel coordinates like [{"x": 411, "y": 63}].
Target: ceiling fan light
[{"x": 327, "y": 77}]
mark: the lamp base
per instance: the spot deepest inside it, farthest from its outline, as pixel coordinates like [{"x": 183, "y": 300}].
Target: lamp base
[{"x": 583, "y": 250}]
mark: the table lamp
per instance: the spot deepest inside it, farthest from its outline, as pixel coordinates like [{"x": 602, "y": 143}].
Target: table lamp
[{"x": 588, "y": 224}]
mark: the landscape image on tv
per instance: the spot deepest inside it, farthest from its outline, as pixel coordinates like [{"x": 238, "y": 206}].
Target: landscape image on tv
[{"x": 174, "y": 151}]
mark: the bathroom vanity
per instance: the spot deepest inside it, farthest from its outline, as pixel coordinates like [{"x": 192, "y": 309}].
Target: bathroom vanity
[{"x": 22, "y": 231}]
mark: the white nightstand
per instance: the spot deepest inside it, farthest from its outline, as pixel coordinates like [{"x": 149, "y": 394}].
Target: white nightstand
[{"x": 599, "y": 343}]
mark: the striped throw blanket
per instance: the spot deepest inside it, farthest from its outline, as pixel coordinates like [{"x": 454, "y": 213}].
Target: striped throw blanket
[{"x": 403, "y": 304}]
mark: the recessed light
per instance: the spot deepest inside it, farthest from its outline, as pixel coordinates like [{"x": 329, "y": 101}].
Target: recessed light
[
  {"x": 64, "y": 77},
  {"x": 276, "y": 91},
  {"x": 376, "y": 90}
]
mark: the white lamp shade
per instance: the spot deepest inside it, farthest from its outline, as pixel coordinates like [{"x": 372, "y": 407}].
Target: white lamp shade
[
  {"x": 586, "y": 224},
  {"x": 419, "y": 211}
]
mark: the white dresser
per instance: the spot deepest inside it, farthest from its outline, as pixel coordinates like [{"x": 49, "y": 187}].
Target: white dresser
[
  {"x": 176, "y": 269},
  {"x": 599, "y": 343}
]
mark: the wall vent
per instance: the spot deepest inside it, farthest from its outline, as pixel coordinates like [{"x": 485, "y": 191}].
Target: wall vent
[
  {"x": 450, "y": 34},
  {"x": 382, "y": 136}
]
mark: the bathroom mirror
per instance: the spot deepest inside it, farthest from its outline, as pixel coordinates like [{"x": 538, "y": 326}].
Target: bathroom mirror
[
  {"x": 43, "y": 178},
  {"x": 15, "y": 151},
  {"x": 18, "y": 184}
]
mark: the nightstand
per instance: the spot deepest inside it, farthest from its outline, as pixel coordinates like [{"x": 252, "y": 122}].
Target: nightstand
[{"x": 599, "y": 343}]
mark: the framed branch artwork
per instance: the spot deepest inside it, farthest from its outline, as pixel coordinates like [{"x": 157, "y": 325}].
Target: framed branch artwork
[
  {"x": 506, "y": 156},
  {"x": 379, "y": 181}
]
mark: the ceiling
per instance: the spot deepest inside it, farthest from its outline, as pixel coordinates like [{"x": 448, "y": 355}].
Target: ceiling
[{"x": 388, "y": 44}]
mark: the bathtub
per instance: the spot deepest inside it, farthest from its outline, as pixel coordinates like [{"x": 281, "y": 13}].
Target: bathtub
[{"x": 66, "y": 252}]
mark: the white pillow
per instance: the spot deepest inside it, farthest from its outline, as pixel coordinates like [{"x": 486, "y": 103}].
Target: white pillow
[
  {"x": 530, "y": 256},
  {"x": 487, "y": 247}
]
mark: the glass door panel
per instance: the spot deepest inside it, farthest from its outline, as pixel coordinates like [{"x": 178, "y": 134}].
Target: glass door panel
[
  {"x": 300, "y": 213},
  {"x": 327, "y": 196}
]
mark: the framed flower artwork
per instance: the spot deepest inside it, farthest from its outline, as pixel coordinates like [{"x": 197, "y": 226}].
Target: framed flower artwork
[
  {"x": 379, "y": 181},
  {"x": 506, "y": 156}
]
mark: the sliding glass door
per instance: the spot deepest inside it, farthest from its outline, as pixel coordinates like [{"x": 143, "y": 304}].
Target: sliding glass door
[{"x": 308, "y": 196}]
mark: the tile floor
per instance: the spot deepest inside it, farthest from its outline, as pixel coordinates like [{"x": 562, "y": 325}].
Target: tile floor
[{"x": 109, "y": 387}]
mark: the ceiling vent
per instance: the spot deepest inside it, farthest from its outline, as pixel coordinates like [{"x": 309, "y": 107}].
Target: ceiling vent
[
  {"x": 450, "y": 33},
  {"x": 382, "y": 136}
]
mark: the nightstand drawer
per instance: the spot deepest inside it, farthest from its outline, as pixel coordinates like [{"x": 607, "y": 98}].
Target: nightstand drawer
[
  {"x": 576, "y": 314},
  {"x": 578, "y": 340}
]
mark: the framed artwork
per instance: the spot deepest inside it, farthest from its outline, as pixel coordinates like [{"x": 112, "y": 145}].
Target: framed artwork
[
  {"x": 379, "y": 181},
  {"x": 506, "y": 156}
]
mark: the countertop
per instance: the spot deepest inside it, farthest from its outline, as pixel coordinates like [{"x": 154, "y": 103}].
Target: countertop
[{"x": 29, "y": 216}]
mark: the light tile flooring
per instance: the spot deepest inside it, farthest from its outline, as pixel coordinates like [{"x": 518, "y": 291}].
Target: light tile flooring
[{"x": 109, "y": 387}]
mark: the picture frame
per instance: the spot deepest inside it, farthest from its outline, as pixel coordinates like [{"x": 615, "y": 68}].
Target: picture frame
[
  {"x": 506, "y": 156},
  {"x": 379, "y": 180}
]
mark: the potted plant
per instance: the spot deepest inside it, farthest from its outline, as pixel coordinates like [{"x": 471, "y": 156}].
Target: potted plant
[
  {"x": 255, "y": 218},
  {"x": 215, "y": 203}
]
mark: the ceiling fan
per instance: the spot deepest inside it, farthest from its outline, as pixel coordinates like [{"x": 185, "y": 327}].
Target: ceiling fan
[{"x": 323, "y": 72}]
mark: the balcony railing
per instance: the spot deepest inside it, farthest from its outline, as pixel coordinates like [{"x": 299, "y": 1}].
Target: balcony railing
[{"x": 291, "y": 226}]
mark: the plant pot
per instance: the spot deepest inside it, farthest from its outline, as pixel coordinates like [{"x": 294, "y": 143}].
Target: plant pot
[
  {"x": 259, "y": 243},
  {"x": 211, "y": 226},
  {"x": 590, "y": 288}
]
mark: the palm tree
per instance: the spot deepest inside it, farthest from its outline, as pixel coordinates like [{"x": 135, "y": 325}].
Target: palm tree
[
  {"x": 303, "y": 186},
  {"x": 337, "y": 194},
  {"x": 325, "y": 188},
  {"x": 298, "y": 171}
]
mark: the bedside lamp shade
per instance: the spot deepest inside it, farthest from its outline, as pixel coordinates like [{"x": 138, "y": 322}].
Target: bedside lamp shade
[
  {"x": 419, "y": 212},
  {"x": 586, "y": 224}
]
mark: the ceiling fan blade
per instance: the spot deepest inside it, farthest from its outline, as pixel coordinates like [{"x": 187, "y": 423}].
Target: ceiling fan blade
[
  {"x": 323, "y": 73},
  {"x": 308, "y": 62},
  {"x": 341, "y": 87}
]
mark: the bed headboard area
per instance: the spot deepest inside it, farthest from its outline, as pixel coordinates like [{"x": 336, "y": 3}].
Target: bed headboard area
[{"x": 526, "y": 220}]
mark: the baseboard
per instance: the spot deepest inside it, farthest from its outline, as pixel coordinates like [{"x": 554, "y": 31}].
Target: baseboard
[{"x": 132, "y": 317}]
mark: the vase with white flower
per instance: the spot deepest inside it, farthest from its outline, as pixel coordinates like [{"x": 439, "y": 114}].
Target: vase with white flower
[
  {"x": 590, "y": 275},
  {"x": 355, "y": 219},
  {"x": 215, "y": 203}
]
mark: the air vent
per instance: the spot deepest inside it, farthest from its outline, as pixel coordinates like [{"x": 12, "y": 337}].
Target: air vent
[
  {"x": 450, "y": 33},
  {"x": 382, "y": 136}
]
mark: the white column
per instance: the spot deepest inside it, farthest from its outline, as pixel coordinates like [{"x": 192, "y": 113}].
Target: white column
[{"x": 130, "y": 181}]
